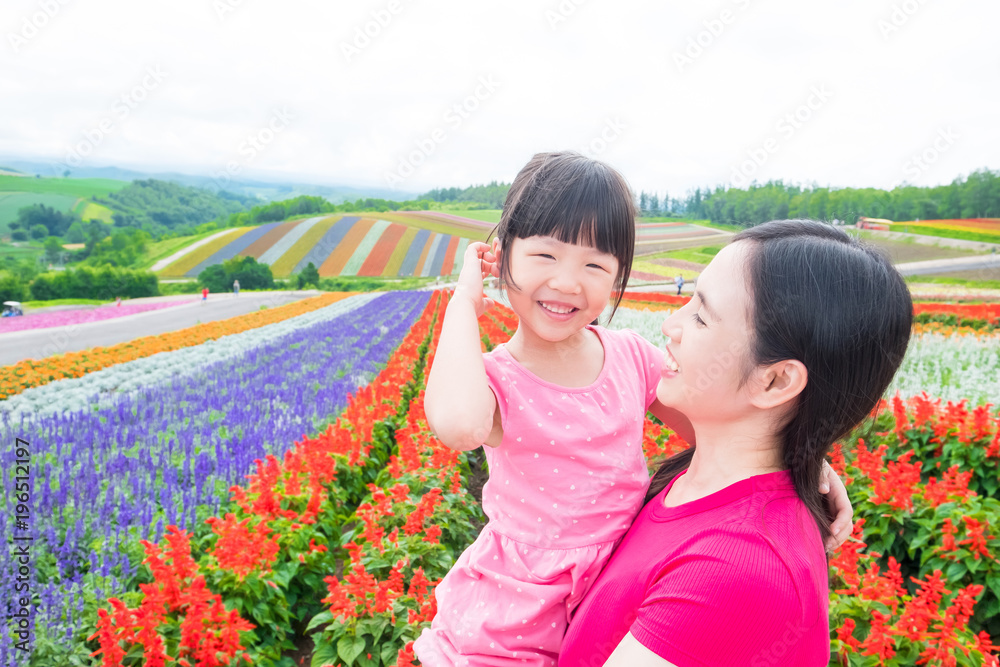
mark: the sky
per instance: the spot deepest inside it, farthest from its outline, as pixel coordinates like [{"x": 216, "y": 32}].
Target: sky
[{"x": 419, "y": 94}]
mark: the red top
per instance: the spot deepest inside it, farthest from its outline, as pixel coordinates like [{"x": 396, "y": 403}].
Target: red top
[{"x": 738, "y": 577}]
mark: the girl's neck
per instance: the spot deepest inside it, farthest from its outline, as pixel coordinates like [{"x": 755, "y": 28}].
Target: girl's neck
[
  {"x": 726, "y": 455},
  {"x": 576, "y": 361}
]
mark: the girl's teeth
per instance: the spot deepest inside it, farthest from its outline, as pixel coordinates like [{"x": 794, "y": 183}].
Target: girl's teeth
[{"x": 556, "y": 309}]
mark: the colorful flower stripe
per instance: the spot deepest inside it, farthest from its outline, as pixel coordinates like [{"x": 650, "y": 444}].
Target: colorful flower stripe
[
  {"x": 395, "y": 264},
  {"x": 81, "y": 316},
  {"x": 233, "y": 248},
  {"x": 989, "y": 312},
  {"x": 328, "y": 243},
  {"x": 167, "y": 261},
  {"x": 293, "y": 256},
  {"x": 662, "y": 271},
  {"x": 265, "y": 242},
  {"x": 35, "y": 372},
  {"x": 334, "y": 264},
  {"x": 364, "y": 248},
  {"x": 167, "y": 454},
  {"x": 378, "y": 258},
  {"x": 274, "y": 253},
  {"x": 190, "y": 260}
]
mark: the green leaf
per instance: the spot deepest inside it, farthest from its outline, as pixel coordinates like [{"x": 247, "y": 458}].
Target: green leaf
[
  {"x": 955, "y": 571},
  {"x": 320, "y": 619},
  {"x": 350, "y": 648},
  {"x": 324, "y": 653}
]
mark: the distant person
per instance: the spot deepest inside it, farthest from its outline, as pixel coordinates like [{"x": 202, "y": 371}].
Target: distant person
[
  {"x": 118, "y": 301},
  {"x": 236, "y": 288},
  {"x": 204, "y": 294},
  {"x": 679, "y": 281}
]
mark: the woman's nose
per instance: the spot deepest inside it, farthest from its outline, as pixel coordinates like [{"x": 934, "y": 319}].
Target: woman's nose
[{"x": 671, "y": 327}]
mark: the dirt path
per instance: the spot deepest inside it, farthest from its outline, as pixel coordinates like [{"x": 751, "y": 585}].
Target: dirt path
[{"x": 40, "y": 343}]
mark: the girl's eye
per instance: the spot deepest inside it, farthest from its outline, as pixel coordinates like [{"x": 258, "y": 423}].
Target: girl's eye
[
  {"x": 700, "y": 322},
  {"x": 545, "y": 256},
  {"x": 597, "y": 266}
]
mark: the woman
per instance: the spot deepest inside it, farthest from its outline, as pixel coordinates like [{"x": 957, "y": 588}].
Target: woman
[{"x": 793, "y": 335}]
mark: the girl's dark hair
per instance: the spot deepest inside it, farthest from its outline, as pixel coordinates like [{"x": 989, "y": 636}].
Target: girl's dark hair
[
  {"x": 574, "y": 199},
  {"x": 837, "y": 305}
]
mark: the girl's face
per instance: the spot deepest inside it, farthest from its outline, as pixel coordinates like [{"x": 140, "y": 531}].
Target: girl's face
[
  {"x": 561, "y": 287},
  {"x": 710, "y": 342}
]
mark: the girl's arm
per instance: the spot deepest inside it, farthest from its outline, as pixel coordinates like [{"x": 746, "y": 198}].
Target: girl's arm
[
  {"x": 630, "y": 653},
  {"x": 459, "y": 403}
]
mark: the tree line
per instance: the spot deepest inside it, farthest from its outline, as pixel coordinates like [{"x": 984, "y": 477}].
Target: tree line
[{"x": 974, "y": 196}]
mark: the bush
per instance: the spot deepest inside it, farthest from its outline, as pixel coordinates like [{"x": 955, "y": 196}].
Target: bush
[
  {"x": 251, "y": 274},
  {"x": 309, "y": 276},
  {"x": 11, "y": 288},
  {"x": 85, "y": 283}
]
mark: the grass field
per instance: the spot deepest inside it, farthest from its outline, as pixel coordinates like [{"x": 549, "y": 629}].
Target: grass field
[
  {"x": 486, "y": 215},
  {"x": 10, "y": 202},
  {"x": 701, "y": 255},
  {"x": 19, "y": 252},
  {"x": 72, "y": 187},
  {"x": 88, "y": 210}
]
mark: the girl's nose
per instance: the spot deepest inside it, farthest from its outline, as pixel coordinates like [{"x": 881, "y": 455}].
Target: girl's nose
[{"x": 565, "y": 282}]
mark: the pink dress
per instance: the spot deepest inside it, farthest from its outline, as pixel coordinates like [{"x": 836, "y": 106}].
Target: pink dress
[{"x": 565, "y": 484}]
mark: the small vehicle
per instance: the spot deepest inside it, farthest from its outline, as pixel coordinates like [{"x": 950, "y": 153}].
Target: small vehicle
[{"x": 12, "y": 309}]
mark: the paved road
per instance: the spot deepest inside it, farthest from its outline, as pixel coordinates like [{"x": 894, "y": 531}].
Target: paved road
[
  {"x": 41, "y": 343},
  {"x": 948, "y": 265}
]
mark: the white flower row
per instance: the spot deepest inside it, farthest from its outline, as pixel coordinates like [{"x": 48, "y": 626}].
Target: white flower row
[
  {"x": 74, "y": 394},
  {"x": 951, "y": 368}
]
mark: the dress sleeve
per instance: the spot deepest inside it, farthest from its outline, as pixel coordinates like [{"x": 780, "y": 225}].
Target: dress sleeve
[
  {"x": 739, "y": 606},
  {"x": 651, "y": 359}
]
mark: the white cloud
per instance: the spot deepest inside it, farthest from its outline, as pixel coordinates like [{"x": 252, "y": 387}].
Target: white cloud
[{"x": 358, "y": 116}]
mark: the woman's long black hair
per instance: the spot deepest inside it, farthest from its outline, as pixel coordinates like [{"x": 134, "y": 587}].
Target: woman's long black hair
[{"x": 836, "y": 304}]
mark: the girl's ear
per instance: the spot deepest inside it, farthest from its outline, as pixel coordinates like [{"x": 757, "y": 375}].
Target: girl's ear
[
  {"x": 495, "y": 248},
  {"x": 779, "y": 383}
]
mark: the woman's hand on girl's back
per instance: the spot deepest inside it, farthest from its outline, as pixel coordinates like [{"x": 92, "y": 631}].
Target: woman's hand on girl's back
[{"x": 480, "y": 263}]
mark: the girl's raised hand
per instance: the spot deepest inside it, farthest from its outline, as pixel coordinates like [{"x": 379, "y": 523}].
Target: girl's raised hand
[{"x": 480, "y": 263}]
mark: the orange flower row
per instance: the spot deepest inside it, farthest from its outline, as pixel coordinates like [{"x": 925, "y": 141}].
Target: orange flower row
[{"x": 35, "y": 372}]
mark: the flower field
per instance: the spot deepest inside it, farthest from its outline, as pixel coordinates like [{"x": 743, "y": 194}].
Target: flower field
[
  {"x": 81, "y": 315},
  {"x": 985, "y": 226},
  {"x": 274, "y": 497},
  {"x": 396, "y": 245}
]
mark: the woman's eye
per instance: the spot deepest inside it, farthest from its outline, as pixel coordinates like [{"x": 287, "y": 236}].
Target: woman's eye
[{"x": 700, "y": 322}]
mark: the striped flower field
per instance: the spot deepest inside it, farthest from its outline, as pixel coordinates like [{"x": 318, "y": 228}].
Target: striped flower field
[
  {"x": 273, "y": 497},
  {"x": 400, "y": 244}
]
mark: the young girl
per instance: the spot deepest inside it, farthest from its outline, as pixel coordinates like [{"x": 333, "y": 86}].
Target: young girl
[{"x": 560, "y": 408}]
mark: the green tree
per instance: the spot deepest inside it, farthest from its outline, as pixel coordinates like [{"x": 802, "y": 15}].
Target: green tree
[
  {"x": 53, "y": 250},
  {"x": 12, "y": 288},
  {"x": 251, "y": 274},
  {"x": 309, "y": 276},
  {"x": 39, "y": 232},
  {"x": 75, "y": 233}
]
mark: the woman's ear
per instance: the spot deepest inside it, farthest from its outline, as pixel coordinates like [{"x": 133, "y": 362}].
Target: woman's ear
[{"x": 779, "y": 383}]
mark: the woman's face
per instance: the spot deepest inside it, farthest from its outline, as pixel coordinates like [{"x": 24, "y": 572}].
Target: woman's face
[{"x": 709, "y": 342}]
